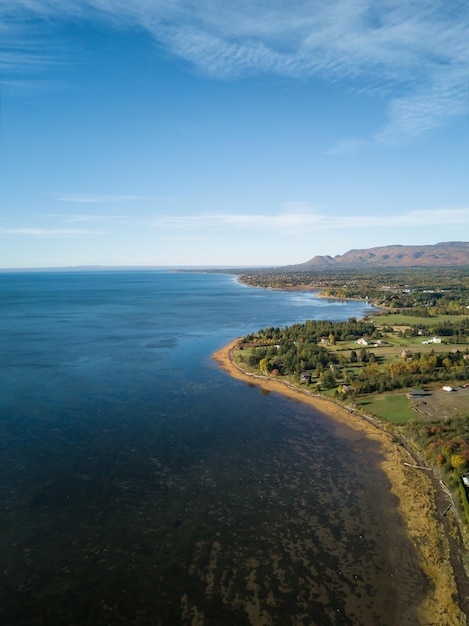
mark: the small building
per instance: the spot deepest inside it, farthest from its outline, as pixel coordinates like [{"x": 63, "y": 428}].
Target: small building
[
  {"x": 406, "y": 354},
  {"x": 305, "y": 377},
  {"x": 363, "y": 341}
]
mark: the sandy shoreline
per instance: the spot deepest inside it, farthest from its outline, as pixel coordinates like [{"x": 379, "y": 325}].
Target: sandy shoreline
[{"x": 413, "y": 487}]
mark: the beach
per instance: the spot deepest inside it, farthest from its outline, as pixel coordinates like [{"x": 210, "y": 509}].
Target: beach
[{"x": 421, "y": 507}]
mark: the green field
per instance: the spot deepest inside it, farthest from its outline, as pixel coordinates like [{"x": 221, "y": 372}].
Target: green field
[
  {"x": 399, "y": 319},
  {"x": 394, "y": 408}
]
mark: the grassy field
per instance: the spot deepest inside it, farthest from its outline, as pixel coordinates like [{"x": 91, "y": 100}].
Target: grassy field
[
  {"x": 394, "y": 408},
  {"x": 399, "y": 319}
]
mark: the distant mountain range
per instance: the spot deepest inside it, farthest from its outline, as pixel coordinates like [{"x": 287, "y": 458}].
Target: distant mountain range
[{"x": 440, "y": 254}]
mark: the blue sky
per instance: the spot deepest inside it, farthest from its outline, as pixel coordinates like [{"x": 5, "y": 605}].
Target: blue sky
[{"x": 202, "y": 132}]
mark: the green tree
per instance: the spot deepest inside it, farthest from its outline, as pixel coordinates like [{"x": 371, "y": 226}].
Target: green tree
[{"x": 328, "y": 379}]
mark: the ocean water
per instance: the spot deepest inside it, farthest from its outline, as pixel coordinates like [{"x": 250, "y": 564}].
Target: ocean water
[{"x": 140, "y": 484}]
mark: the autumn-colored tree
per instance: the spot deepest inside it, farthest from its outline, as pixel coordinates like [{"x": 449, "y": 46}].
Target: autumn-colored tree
[{"x": 457, "y": 461}]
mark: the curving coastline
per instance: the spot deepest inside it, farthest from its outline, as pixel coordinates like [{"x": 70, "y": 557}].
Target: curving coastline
[{"x": 418, "y": 497}]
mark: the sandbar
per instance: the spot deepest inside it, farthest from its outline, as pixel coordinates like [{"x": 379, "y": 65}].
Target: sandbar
[{"x": 416, "y": 489}]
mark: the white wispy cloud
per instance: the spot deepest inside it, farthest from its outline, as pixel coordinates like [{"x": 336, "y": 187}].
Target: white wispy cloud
[
  {"x": 50, "y": 232},
  {"x": 298, "y": 223},
  {"x": 414, "y": 54},
  {"x": 443, "y": 217},
  {"x": 345, "y": 147},
  {"x": 232, "y": 220},
  {"x": 25, "y": 53},
  {"x": 84, "y": 198},
  {"x": 93, "y": 218}
]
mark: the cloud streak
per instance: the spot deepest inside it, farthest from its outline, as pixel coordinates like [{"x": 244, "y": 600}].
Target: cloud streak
[
  {"x": 299, "y": 222},
  {"x": 94, "y": 218},
  {"x": 345, "y": 147},
  {"x": 414, "y": 54},
  {"x": 291, "y": 224},
  {"x": 49, "y": 232},
  {"x": 83, "y": 198}
]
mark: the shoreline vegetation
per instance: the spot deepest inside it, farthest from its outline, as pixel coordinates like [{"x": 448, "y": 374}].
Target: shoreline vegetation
[{"x": 422, "y": 502}]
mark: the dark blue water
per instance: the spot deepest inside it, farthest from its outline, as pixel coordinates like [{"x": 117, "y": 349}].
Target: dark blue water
[{"x": 140, "y": 484}]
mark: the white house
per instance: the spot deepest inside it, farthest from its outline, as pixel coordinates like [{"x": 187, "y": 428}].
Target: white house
[{"x": 363, "y": 341}]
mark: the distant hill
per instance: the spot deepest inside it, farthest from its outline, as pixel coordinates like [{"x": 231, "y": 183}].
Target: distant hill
[{"x": 440, "y": 254}]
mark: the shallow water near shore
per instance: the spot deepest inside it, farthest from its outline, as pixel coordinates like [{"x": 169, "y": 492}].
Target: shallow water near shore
[{"x": 140, "y": 484}]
